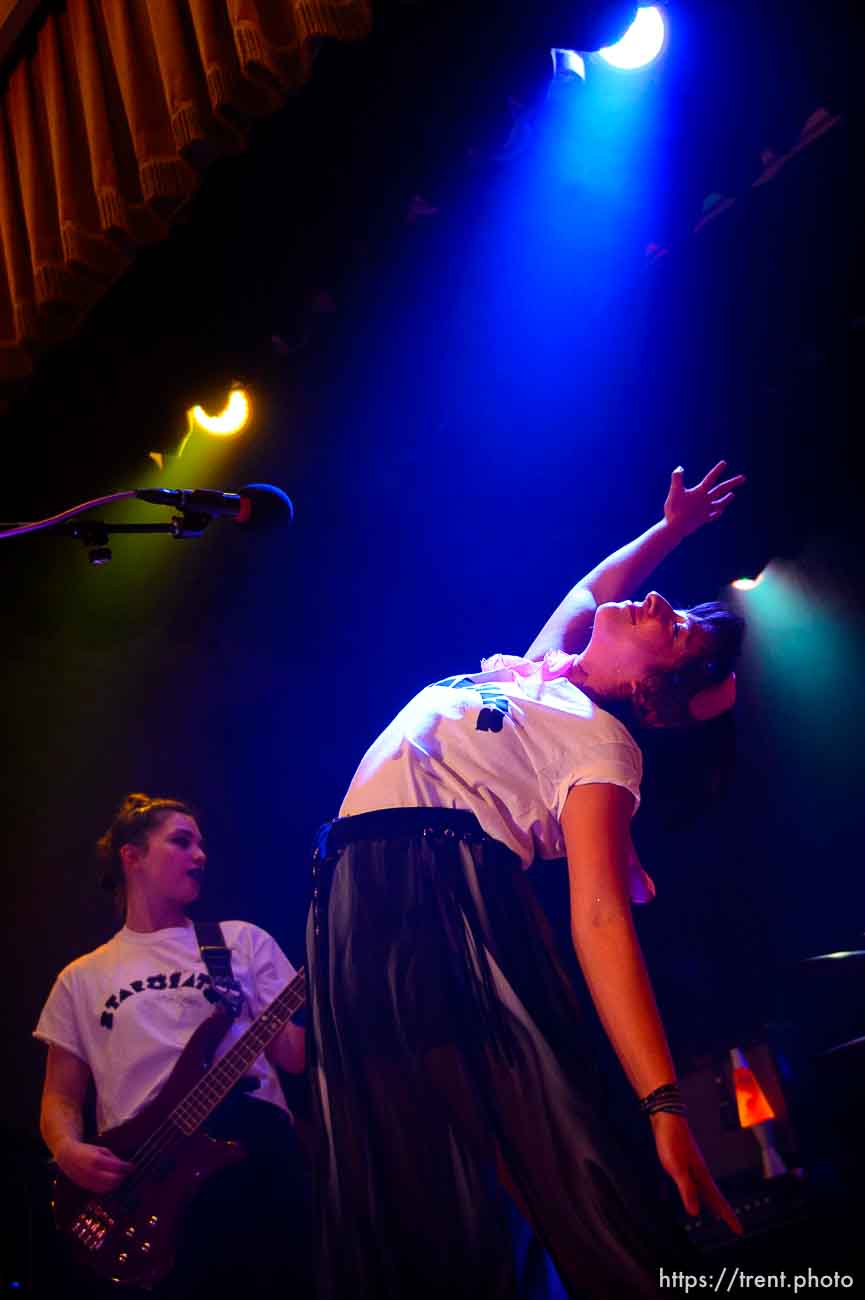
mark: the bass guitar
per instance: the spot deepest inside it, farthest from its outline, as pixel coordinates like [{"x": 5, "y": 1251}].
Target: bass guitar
[{"x": 129, "y": 1236}]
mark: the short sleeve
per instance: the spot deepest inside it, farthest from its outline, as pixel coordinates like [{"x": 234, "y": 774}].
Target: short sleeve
[
  {"x": 269, "y": 968},
  {"x": 608, "y": 763},
  {"x": 58, "y": 1023}
]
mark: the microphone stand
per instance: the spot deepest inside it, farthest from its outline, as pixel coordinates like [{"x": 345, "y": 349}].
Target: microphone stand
[
  {"x": 94, "y": 533},
  {"x": 195, "y": 508}
]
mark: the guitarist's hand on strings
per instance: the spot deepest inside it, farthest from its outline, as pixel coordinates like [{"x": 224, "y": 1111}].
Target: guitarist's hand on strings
[{"x": 95, "y": 1168}]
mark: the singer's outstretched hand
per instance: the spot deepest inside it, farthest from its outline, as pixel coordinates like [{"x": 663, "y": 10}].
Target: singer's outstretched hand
[{"x": 687, "y": 509}]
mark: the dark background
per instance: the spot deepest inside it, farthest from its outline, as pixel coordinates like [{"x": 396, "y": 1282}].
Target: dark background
[{"x": 468, "y": 409}]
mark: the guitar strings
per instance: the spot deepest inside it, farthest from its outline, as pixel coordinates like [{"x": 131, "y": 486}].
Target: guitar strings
[
  {"x": 169, "y": 1129},
  {"x": 170, "y": 1132}
]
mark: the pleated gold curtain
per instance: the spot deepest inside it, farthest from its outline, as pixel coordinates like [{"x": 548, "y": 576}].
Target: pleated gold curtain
[{"x": 106, "y": 128}]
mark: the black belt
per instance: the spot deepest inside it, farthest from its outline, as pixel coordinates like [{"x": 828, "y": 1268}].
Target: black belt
[
  {"x": 399, "y": 823},
  {"x": 448, "y": 824}
]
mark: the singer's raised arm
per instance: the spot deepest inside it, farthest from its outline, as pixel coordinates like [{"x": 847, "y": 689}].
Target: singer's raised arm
[{"x": 685, "y": 510}]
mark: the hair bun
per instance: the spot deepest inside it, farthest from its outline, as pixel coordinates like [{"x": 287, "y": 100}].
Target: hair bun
[{"x": 134, "y": 802}]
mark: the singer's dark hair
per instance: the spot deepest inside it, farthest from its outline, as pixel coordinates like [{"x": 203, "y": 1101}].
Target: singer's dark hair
[
  {"x": 661, "y": 699},
  {"x": 687, "y": 766},
  {"x": 137, "y": 816}
]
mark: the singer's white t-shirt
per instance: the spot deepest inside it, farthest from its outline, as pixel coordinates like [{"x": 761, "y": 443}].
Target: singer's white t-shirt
[
  {"x": 507, "y": 745},
  {"x": 128, "y": 1009}
]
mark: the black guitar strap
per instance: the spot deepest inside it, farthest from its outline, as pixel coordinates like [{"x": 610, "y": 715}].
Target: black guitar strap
[{"x": 217, "y": 958}]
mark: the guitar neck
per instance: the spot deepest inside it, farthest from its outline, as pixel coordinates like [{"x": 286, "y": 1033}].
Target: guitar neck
[{"x": 215, "y": 1085}]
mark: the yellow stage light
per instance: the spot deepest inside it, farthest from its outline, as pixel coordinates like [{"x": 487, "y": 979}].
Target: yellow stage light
[{"x": 231, "y": 419}]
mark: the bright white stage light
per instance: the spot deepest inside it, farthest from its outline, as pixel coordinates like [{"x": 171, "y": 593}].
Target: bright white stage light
[
  {"x": 642, "y": 42},
  {"x": 747, "y": 584}
]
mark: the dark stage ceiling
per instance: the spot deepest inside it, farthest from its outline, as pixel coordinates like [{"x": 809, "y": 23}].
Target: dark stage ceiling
[{"x": 283, "y": 258}]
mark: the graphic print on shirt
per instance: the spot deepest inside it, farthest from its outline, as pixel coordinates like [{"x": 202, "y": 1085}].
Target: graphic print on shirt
[
  {"x": 156, "y": 983},
  {"x": 495, "y": 705}
]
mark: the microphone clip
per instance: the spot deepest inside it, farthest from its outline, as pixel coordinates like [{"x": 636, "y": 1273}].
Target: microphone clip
[
  {"x": 94, "y": 535},
  {"x": 189, "y": 523}
]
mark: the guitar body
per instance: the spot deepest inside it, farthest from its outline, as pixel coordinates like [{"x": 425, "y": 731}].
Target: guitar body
[{"x": 129, "y": 1236}]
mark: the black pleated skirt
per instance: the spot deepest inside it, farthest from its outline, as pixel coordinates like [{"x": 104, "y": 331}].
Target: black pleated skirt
[{"x": 449, "y": 1071}]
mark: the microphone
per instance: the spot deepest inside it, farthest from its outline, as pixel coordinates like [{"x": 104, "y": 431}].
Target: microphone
[{"x": 258, "y": 506}]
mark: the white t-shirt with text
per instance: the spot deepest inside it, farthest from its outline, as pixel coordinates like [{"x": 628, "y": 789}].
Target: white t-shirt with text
[{"x": 128, "y": 1008}]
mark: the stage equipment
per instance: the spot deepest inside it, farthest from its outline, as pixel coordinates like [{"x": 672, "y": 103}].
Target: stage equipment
[
  {"x": 755, "y": 1113},
  {"x": 715, "y": 1109},
  {"x": 746, "y": 584},
  {"x": 712, "y": 1097},
  {"x": 567, "y": 65},
  {"x": 258, "y": 507},
  {"x": 827, "y": 1019},
  {"x": 641, "y": 43},
  {"x": 231, "y": 419}
]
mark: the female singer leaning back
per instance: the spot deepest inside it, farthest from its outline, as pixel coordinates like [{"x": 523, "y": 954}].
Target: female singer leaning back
[{"x": 446, "y": 1060}]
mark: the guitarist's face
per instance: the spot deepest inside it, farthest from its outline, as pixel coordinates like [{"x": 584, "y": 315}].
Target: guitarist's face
[{"x": 171, "y": 864}]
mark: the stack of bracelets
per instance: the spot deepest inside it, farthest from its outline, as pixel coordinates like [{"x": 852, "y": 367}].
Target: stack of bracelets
[{"x": 667, "y": 1098}]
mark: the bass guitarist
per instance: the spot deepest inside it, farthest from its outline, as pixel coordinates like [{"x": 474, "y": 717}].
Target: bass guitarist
[{"x": 120, "y": 1016}]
